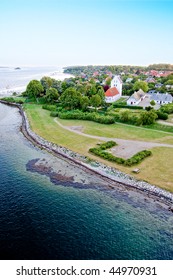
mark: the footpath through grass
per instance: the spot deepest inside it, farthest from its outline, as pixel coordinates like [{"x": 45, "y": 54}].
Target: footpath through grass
[
  {"x": 121, "y": 131},
  {"x": 45, "y": 126},
  {"x": 156, "y": 169}
]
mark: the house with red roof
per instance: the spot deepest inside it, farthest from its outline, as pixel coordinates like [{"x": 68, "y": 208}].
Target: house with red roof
[{"x": 115, "y": 91}]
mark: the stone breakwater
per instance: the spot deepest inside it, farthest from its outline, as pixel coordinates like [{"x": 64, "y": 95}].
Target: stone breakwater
[{"x": 111, "y": 174}]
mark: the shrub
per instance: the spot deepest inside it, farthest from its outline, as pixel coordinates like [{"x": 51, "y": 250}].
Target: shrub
[
  {"x": 136, "y": 159},
  {"x": 9, "y": 99},
  {"x": 116, "y": 105},
  {"x": 161, "y": 115},
  {"x": 49, "y": 107},
  {"x": 54, "y": 114},
  {"x": 79, "y": 115},
  {"x": 152, "y": 102},
  {"x": 168, "y": 108}
]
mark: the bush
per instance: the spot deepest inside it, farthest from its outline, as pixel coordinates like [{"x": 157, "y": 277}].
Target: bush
[
  {"x": 152, "y": 102},
  {"x": 77, "y": 114},
  {"x": 49, "y": 107},
  {"x": 161, "y": 115},
  {"x": 54, "y": 114},
  {"x": 168, "y": 108},
  {"x": 136, "y": 159},
  {"x": 116, "y": 105},
  {"x": 9, "y": 99},
  {"x": 13, "y": 100}
]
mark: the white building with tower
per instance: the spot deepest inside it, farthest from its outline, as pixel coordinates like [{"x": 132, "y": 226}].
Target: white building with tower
[{"x": 115, "y": 91}]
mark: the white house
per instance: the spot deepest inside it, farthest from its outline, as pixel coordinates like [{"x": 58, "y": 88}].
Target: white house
[
  {"x": 136, "y": 97},
  {"x": 115, "y": 91},
  {"x": 161, "y": 98}
]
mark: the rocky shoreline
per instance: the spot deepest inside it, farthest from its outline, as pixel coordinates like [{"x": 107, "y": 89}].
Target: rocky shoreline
[{"x": 111, "y": 175}]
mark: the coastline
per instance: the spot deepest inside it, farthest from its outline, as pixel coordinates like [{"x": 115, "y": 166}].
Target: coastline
[
  {"x": 57, "y": 75},
  {"x": 109, "y": 174}
]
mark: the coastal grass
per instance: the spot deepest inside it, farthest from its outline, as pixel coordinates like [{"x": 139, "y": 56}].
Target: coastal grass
[
  {"x": 44, "y": 125},
  {"x": 156, "y": 169},
  {"x": 121, "y": 131}
]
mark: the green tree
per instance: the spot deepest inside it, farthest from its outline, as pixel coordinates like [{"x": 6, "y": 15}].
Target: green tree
[
  {"x": 84, "y": 102},
  {"x": 46, "y": 82},
  {"x": 101, "y": 93},
  {"x": 152, "y": 103},
  {"x": 51, "y": 95},
  {"x": 71, "y": 98},
  {"x": 57, "y": 85},
  {"x": 108, "y": 81},
  {"x": 93, "y": 90},
  {"x": 95, "y": 101},
  {"x": 34, "y": 89},
  {"x": 140, "y": 85},
  {"x": 64, "y": 85},
  {"x": 169, "y": 82}
]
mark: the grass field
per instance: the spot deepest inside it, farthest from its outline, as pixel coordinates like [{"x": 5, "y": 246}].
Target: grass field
[
  {"x": 121, "y": 131},
  {"x": 156, "y": 169}
]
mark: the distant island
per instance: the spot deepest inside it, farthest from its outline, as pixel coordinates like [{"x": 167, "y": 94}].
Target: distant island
[{"x": 17, "y": 68}]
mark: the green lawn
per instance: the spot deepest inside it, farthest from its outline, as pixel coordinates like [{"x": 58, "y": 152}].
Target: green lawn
[
  {"x": 120, "y": 131},
  {"x": 45, "y": 126},
  {"x": 156, "y": 169}
]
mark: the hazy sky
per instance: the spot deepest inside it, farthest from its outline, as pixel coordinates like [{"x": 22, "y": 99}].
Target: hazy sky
[{"x": 84, "y": 32}]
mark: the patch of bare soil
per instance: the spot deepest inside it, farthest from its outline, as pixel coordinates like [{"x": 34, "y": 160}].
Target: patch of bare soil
[{"x": 76, "y": 128}]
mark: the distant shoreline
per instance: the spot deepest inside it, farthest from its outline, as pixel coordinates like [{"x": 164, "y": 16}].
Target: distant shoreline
[
  {"x": 121, "y": 179},
  {"x": 57, "y": 75}
]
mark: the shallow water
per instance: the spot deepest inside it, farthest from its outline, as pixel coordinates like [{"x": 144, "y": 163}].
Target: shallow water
[
  {"x": 80, "y": 220},
  {"x": 10, "y": 78}
]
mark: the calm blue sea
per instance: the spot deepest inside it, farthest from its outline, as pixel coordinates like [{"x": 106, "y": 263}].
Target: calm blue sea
[
  {"x": 12, "y": 79},
  {"x": 41, "y": 220}
]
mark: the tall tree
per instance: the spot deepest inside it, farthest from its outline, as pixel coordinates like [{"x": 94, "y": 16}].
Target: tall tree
[
  {"x": 140, "y": 85},
  {"x": 46, "y": 82},
  {"x": 84, "y": 102},
  {"x": 101, "y": 93},
  {"x": 95, "y": 101},
  {"x": 51, "y": 95},
  {"x": 71, "y": 98},
  {"x": 34, "y": 89}
]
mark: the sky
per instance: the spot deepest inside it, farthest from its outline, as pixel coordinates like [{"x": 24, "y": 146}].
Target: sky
[{"x": 85, "y": 32}]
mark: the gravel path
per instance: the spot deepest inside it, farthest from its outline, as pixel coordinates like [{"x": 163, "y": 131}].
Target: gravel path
[{"x": 125, "y": 148}]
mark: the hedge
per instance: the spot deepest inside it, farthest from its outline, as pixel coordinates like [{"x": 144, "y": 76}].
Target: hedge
[
  {"x": 136, "y": 159},
  {"x": 127, "y": 107},
  {"x": 12, "y": 100},
  {"x": 76, "y": 114},
  {"x": 161, "y": 115},
  {"x": 49, "y": 107}
]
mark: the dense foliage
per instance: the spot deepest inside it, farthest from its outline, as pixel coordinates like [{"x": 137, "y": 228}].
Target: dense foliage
[
  {"x": 77, "y": 114},
  {"x": 34, "y": 89}
]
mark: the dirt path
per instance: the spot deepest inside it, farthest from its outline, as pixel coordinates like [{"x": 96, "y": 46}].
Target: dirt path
[
  {"x": 165, "y": 123},
  {"x": 125, "y": 148}
]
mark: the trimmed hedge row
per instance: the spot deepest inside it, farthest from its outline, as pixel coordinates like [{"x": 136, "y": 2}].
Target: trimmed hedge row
[
  {"x": 107, "y": 145},
  {"x": 12, "y": 100},
  {"x": 127, "y": 106},
  {"x": 84, "y": 116},
  {"x": 49, "y": 107},
  {"x": 136, "y": 159}
]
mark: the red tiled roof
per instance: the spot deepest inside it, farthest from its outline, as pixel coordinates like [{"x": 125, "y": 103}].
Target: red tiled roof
[{"x": 111, "y": 92}]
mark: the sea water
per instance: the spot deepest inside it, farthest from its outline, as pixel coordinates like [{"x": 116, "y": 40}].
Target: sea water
[
  {"x": 42, "y": 220},
  {"x": 12, "y": 79}
]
